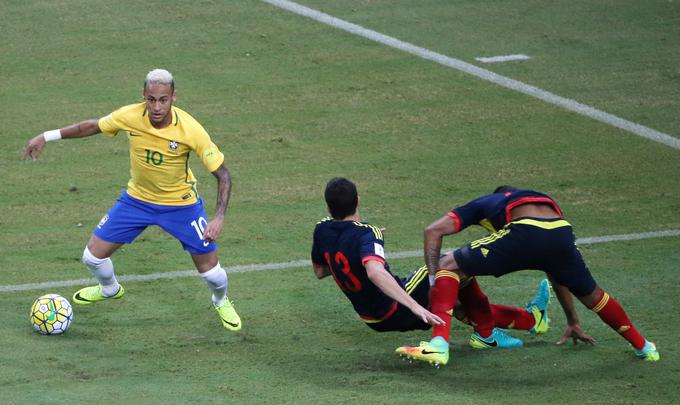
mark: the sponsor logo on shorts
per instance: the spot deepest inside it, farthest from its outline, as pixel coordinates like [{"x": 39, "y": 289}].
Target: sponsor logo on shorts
[{"x": 103, "y": 221}]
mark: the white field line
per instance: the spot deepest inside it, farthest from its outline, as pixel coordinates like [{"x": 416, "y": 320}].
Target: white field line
[
  {"x": 299, "y": 263},
  {"x": 483, "y": 74},
  {"x": 503, "y": 58}
]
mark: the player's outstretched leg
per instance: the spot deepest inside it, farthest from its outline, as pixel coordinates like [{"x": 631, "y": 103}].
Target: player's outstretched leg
[
  {"x": 435, "y": 352},
  {"x": 538, "y": 307},
  {"x": 443, "y": 296},
  {"x": 497, "y": 340},
  {"x": 89, "y": 295},
  {"x": 611, "y": 312}
]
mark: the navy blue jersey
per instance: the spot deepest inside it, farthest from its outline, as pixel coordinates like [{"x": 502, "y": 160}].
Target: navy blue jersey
[
  {"x": 492, "y": 211},
  {"x": 344, "y": 247}
]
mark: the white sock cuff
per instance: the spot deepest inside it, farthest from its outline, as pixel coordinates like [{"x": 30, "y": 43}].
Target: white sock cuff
[
  {"x": 89, "y": 258},
  {"x": 212, "y": 272}
]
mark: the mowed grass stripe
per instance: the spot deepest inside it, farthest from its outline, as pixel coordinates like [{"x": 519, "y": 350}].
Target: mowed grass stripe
[
  {"x": 568, "y": 104},
  {"x": 301, "y": 263}
]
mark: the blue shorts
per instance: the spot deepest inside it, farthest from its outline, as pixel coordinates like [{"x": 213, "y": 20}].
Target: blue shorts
[
  {"x": 529, "y": 243},
  {"x": 129, "y": 217}
]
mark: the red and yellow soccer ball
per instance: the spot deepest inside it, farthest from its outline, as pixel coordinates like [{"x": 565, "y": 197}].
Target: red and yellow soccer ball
[{"x": 51, "y": 314}]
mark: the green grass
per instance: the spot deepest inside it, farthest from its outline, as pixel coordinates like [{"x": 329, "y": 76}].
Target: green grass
[
  {"x": 292, "y": 103},
  {"x": 302, "y": 343}
]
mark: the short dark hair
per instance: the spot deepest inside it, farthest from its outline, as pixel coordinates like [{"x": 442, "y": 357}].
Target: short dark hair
[
  {"x": 504, "y": 189},
  {"x": 341, "y": 197}
]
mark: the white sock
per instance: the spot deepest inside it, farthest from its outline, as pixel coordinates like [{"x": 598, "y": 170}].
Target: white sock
[
  {"x": 217, "y": 281},
  {"x": 102, "y": 270}
]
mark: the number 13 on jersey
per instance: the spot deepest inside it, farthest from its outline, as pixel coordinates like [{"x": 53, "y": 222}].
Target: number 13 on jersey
[{"x": 352, "y": 283}]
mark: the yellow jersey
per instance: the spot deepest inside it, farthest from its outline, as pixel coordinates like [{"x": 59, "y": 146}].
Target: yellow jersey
[{"x": 159, "y": 158}]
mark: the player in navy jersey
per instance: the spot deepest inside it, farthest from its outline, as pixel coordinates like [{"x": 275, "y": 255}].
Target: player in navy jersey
[
  {"x": 529, "y": 232},
  {"x": 353, "y": 253}
]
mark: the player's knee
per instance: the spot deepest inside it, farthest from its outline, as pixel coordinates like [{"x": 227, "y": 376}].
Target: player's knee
[
  {"x": 448, "y": 262},
  {"x": 593, "y": 300}
]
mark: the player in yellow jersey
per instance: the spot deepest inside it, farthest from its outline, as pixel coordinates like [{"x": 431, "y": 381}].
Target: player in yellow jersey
[{"x": 161, "y": 190}]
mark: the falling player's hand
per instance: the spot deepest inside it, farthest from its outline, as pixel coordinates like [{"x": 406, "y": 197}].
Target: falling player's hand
[
  {"x": 577, "y": 334},
  {"x": 34, "y": 147},
  {"x": 427, "y": 316}
]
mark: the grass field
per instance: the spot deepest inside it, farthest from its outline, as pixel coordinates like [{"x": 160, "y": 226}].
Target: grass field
[{"x": 292, "y": 103}]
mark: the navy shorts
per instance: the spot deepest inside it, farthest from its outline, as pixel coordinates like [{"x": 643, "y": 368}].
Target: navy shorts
[
  {"x": 529, "y": 244},
  {"x": 417, "y": 285},
  {"x": 129, "y": 217}
]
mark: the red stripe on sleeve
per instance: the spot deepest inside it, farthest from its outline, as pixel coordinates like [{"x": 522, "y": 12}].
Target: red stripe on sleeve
[
  {"x": 376, "y": 258},
  {"x": 456, "y": 221}
]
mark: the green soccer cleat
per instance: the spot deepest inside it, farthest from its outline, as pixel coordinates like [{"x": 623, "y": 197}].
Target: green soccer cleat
[
  {"x": 89, "y": 295},
  {"x": 538, "y": 307},
  {"x": 228, "y": 315},
  {"x": 435, "y": 352},
  {"x": 497, "y": 340},
  {"x": 648, "y": 352}
]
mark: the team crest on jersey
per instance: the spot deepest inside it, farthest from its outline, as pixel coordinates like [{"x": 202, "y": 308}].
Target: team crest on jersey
[{"x": 173, "y": 145}]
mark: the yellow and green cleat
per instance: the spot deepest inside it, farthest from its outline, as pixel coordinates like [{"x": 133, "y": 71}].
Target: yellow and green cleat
[
  {"x": 498, "y": 339},
  {"x": 89, "y": 295},
  {"x": 538, "y": 307},
  {"x": 648, "y": 352},
  {"x": 435, "y": 352},
  {"x": 228, "y": 315}
]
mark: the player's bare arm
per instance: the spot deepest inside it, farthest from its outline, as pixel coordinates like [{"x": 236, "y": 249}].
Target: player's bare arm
[
  {"x": 433, "y": 235},
  {"x": 321, "y": 270},
  {"x": 214, "y": 227},
  {"x": 573, "y": 329},
  {"x": 78, "y": 130},
  {"x": 384, "y": 280}
]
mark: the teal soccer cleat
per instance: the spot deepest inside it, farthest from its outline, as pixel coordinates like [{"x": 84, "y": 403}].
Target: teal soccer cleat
[
  {"x": 497, "y": 340},
  {"x": 648, "y": 352},
  {"x": 538, "y": 307}
]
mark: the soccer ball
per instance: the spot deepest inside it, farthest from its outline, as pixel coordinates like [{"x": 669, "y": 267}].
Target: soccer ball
[{"x": 51, "y": 314}]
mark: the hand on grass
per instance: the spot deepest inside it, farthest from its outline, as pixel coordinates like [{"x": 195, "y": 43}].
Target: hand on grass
[{"x": 576, "y": 333}]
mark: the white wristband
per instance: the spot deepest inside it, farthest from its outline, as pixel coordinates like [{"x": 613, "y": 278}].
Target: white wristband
[{"x": 53, "y": 135}]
